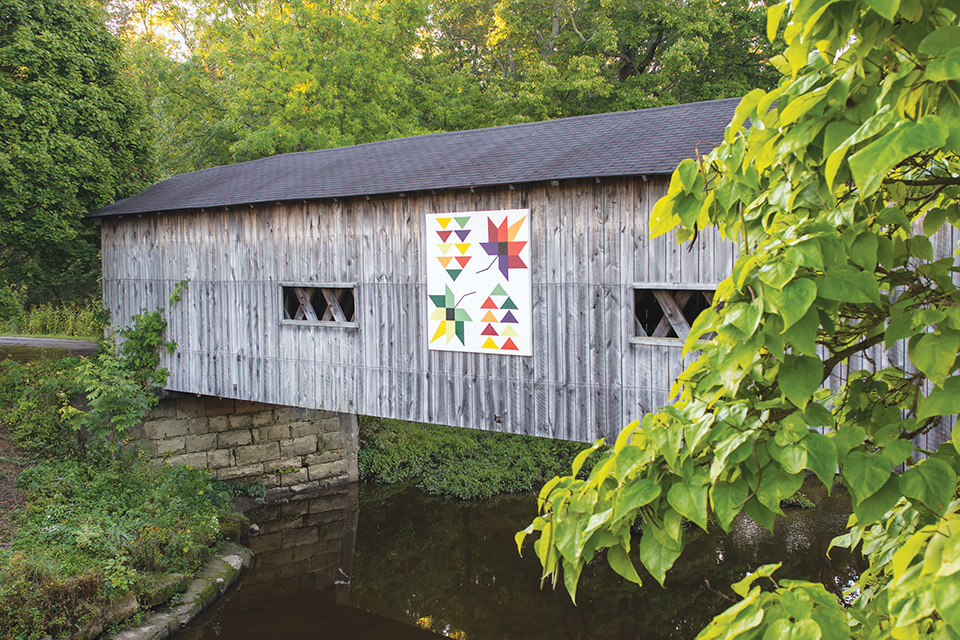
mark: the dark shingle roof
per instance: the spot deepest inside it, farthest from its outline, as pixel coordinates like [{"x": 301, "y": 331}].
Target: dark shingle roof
[{"x": 649, "y": 141}]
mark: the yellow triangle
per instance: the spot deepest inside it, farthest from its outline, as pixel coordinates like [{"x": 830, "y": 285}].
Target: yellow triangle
[
  {"x": 490, "y": 317},
  {"x": 444, "y": 246},
  {"x": 444, "y": 222},
  {"x": 463, "y": 246},
  {"x": 509, "y": 331},
  {"x": 514, "y": 228},
  {"x": 489, "y": 344},
  {"x": 441, "y": 329},
  {"x": 445, "y": 261}
]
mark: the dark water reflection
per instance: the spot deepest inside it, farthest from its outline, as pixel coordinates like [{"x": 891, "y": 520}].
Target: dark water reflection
[{"x": 412, "y": 565}]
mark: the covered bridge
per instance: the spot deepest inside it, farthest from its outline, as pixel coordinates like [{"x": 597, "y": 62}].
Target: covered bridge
[{"x": 500, "y": 279}]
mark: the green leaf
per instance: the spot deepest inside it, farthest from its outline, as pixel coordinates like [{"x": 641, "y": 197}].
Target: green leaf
[
  {"x": 942, "y": 39},
  {"x": 944, "y": 69},
  {"x": 779, "y": 272},
  {"x": 946, "y": 597},
  {"x": 792, "y": 302},
  {"x": 871, "y": 164},
  {"x": 886, "y": 8},
  {"x": 656, "y": 557},
  {"x": 785, "y": 629},
  {"x": 793, "y": 458},
  {"x": 776, "y": 486},
  {"x": 931, "y": 482},
  {"x": 933, "y": 220},
  {"x": 876, "y": 506},
  {"x": 690, "y": 501},
  {"x": 635, "y": 495},
  {"x": 821, "y": 457},
  {"x": 864, "y": 474},
  {"x": 620, "y": 562},
  {"x": 799, "y": 377},
  {"x": 728, "y": 498},
  {"x": 863, "y": 251},
  {"x": 848, "y": 285},
  {"x": 934, "y": 354},
  {"x": 774, "y": 15}
]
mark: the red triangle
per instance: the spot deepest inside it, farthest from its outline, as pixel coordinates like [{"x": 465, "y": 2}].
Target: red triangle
[
  {"x": 444, "y": 235},
  {"x": 509, "y": 346},
  {"x": 463, "y": 260},
  {"x": 489, "y": 331},
  {"x": 488, "y": 304}
]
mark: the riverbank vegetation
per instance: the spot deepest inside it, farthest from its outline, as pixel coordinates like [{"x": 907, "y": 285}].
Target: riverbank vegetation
[
  {"x": 458, "y": 463},
  {"x": 84, "y": 522}
]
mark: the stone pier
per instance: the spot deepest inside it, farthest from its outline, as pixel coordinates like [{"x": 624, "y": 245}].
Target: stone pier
[{"x": 287, "y": 449}]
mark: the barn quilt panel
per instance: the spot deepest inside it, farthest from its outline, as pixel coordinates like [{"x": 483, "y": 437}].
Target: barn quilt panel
[{"x": 478, "y": 282}]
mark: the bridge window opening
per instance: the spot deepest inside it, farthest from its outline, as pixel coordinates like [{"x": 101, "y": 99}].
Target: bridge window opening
[
  {"x": 319, "y": 304},
  {"x": 668, "y": 313}
]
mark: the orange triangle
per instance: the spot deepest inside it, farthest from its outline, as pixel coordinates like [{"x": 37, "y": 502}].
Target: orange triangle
[
  {"x": 463, "y": 246},
  {"x": 491, "y": 318},
  {"x": 509, "y": 345},
  {"x": 488, "y": 304},
  {"x": 463, "y": 260},
  {"x": 444, "y": 260},
  {"x": 490, "y": 344},
  {"x": 514, "y": 228},
  {"x": 444, "y": 222}
]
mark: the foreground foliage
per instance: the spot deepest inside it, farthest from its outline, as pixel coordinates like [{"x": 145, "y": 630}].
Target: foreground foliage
[
  {"x": 458, "y": 463},
  {"x": 832, "y": 195}
]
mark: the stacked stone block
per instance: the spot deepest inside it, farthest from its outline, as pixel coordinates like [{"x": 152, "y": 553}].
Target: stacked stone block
[{"x": 285, "y": 448}]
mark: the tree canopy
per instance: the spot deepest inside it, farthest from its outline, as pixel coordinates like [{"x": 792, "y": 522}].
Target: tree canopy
[
  {"x": 72, "y": 138},
  {"x": 231, "y": 80},
  {"x": 834, "y": 195}
]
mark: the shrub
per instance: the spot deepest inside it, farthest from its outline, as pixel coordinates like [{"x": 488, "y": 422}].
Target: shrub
[{"x": 460, "y": 463}]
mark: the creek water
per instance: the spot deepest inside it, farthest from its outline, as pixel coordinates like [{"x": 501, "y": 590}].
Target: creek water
[{"x": 395, "y": 563}]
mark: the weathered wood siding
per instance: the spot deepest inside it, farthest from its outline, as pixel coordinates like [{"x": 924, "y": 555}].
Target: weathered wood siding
[{"x": 590, "y": 246}]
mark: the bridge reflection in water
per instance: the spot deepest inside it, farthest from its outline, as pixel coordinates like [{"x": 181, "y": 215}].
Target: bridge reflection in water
[{"x": 393, "y": 562}]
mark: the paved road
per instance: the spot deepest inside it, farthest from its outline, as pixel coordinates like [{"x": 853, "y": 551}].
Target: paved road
[{"x": 86, "y": 347}]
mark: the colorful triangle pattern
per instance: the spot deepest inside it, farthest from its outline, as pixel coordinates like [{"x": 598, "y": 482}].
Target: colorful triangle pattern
[
  {"x": 455, "y": 273},
  {"x": 509, "y": 345},
  {"x": 509, "y": 332},
  {"x": 488, "y": 304},
  {"x": 489, "y": 344},
  {"x": 462, "y": 221},
  {"x": 443, "y": 222},
  {"x": 444, "y": 260},
  {"x": 463, "y": 234},
  {"x": 444, "y": 235},
  {"x": 498, "y": 291},
  {"x": 508, "y": 304},
  {"x": 463, "y": 246},
  {"x": 463, "y": 260},
  {"x": 489, "y": 317}
]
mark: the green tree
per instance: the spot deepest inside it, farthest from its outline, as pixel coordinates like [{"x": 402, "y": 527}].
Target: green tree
[
  {"x": 537, "y": 60},
  {"x": 848, "y": 169},
  {"x": 72, "y": 138}
]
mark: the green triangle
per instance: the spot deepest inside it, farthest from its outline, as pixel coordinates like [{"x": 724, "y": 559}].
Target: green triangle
[
  {"x": 440, "y": 301},
  {"x": 463, "y": 221},
  {"x": 499, "y": 291},
  {"x": 508, "y": 304},
  {"x": 456, "y": 272}
]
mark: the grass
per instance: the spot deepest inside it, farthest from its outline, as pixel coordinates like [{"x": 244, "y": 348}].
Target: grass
[
  {"x": 82, "y": 528},
  {"x": 72, "y": 320}
]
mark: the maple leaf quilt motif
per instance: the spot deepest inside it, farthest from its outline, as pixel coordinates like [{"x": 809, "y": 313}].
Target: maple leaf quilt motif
[{"x": 503, "y": 245}]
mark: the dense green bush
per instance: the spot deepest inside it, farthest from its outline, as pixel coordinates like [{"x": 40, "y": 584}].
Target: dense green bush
[
  {"x": 91, "y": 532},
  {"x": 460, "y": 463}
]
